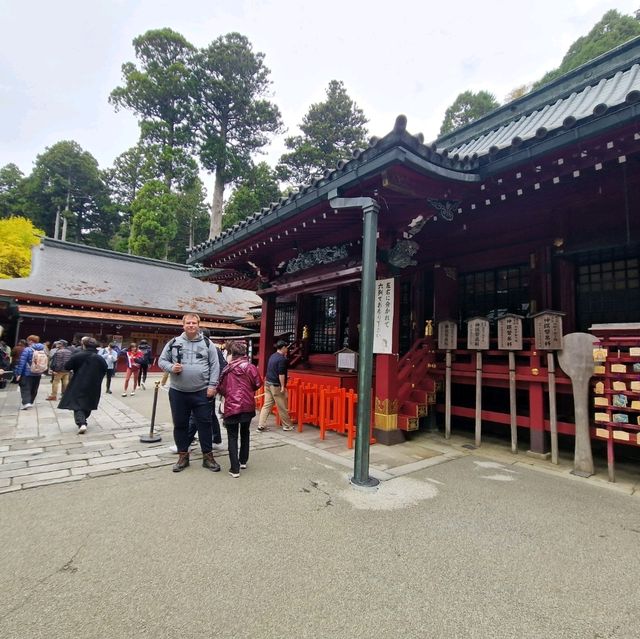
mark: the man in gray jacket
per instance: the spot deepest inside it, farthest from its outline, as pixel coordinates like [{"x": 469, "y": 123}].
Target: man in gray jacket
[{"x": 192, "y": 364}]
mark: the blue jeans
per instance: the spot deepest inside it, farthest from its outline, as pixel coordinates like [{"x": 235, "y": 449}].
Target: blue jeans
[{"x": 183, "y": 405}]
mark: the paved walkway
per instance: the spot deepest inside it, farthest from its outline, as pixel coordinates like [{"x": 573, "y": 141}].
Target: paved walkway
[{"x": 40, "y": 446}]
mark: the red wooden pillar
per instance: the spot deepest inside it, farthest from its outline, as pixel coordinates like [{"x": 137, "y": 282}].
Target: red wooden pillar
[
  {"x": 538, "y": 444},
  {"x": 267, "y": 327},
  {"x": 385, "y": 409}
]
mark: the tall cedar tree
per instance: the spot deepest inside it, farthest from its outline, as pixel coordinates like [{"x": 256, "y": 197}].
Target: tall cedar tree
[
  {"x": 160, "y": 93},
  {"x": 234, "y": 118},
  {"x": 331, "y": 130},
  {"x": 258, "y": 189}
]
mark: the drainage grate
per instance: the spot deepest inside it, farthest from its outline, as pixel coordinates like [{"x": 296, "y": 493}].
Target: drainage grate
[{"x": 469, "y": 446}]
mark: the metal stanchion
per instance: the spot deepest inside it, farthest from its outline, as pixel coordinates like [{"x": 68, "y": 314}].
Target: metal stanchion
[{"x": 152, "y": 438}]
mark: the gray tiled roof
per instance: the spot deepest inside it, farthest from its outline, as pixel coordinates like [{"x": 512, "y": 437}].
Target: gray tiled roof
[
  {"x": 600, "y": 94},
  {"x": 68, "y": 271}
]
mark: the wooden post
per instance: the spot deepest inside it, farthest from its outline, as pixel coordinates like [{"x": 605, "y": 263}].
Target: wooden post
[
  {"x": 510, "y": 338},
  {"x": 478, "y": 397},
  {"x": 447, "y": 396},
  {"x": 513, "y": 409},
  {"x": 553, "y": 414},
  {"x": 478, "y": 340}
]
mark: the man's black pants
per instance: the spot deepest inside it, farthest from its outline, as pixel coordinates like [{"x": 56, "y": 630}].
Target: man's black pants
[{"x": 182, "y": 406}]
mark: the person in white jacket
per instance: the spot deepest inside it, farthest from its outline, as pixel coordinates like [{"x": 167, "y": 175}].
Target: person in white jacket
[{"x": 110, "y": 355}]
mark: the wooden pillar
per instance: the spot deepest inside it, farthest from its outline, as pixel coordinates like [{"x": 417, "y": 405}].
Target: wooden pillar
[
  {"x": 538, "y": 440},
  {"x": 267, "y": 327},
  {"x": 386, "y": 408}
]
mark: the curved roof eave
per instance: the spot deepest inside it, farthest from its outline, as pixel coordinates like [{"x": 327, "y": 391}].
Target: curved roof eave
[{"x": 396, "y": 154}]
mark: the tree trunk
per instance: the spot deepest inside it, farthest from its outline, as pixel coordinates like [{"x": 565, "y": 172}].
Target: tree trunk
[{"x": 216, "y": 206}]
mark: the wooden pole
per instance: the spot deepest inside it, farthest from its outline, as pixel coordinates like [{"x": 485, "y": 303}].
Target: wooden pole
[
  {"x": 478, "y": 397},
  {"x": 513, "y": 408},
  {"x": 447, "y": 396},
  {"x": 553, "y": 414}
]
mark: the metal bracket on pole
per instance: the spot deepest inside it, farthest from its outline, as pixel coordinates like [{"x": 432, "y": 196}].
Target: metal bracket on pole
[{"x": 370, "y": 210}]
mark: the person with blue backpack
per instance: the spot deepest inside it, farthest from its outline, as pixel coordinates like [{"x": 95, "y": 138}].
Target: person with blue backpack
[{"x": 33, "y": 363}]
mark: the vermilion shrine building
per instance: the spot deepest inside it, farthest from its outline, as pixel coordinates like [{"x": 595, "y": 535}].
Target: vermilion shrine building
[{"x": 535, "y": 206}]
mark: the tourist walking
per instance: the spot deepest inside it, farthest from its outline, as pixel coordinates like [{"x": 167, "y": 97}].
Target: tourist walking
[
  {"x": 239, "y": 382},
  {"x": 83, "y": 392},
  {"x": 133, "y": 358},
  {"x": 275, "y": 388},
  {"x": 33, "y": 363},
  {"x": 110, "y": 355},
  {"x": 193, "y": 367},
  {"x": 61, "y": 355},
  {"x": 147, "y": 360}
]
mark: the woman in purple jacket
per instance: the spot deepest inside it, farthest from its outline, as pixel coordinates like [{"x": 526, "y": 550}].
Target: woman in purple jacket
[{"x": 238, "y": 383}]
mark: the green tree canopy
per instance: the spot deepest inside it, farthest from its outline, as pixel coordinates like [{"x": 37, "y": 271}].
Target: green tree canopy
[
  {"x": 192, "y": 217},
  {"x": 67, "y": 179},
  {"x": 233, "y": 115},
  {"x": 466, "y": 108},
  {"x": 259, "y": 188},
  {"x": 159, "y": 92},
  {"x": 18, "y": 236},
  {"x": 154, "y": 223},
  {"x": 331, "y": 130},
  {"x": 612, "y": 30},
  {"x": 11, "y": 191}
]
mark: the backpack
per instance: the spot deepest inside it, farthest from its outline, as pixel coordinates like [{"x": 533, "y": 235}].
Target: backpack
[{"x": 39, "y": 362}]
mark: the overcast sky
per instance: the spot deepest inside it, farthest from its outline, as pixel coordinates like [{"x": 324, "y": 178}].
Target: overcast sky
[{"x": 60, "y": 60}]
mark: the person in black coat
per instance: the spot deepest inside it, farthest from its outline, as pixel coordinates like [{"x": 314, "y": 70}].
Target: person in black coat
[{"x": 83, "y": 392}]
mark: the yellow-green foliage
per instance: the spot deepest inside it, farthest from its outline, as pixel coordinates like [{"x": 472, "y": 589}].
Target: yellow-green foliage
[{"x": 17, "y": 236}]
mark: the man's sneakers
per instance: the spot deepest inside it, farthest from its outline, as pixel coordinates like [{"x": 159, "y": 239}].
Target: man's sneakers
[
  {"x": 82, "y": 429},
  {"x": 262, "y": 429},
  {"x": 218, "y": 447},
  {"x": 25, "y": 406},
  {"x": 243, "y": 466},
  {"x": 287, "y": 428},
  {"x": 142, "y": 386},
  {"x": 234, "y": 475}
]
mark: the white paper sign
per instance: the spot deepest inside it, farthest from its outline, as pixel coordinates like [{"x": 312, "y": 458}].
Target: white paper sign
[{"x": 383, "y": 317}]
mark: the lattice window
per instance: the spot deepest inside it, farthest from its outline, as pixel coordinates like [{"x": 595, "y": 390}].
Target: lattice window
[
  {"x": 323, "y": 331},
  {"x": 607, "y": 290},
  {"x": 285, "y": 319},
  {"x": 493, "y": 293}
]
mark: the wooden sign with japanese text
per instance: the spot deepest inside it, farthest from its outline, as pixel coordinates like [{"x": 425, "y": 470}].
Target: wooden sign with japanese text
[
  {"x": 510, "y": 332},
  {"x": 547, "y": 327},
  {"x": 447, "y": 335},
  {"x": 478, "y": 334},
  {"x": 383, "y": 318}
]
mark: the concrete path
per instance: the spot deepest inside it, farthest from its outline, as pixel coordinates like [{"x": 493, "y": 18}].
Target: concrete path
[{"x": 40, "y": 446}]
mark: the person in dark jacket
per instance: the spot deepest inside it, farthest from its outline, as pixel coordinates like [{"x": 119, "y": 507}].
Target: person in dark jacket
[
  {"x": 29, "y": 380},
  {"x": 238, "y": 383},
  {"x": 83, "y": 392},
  {"x": 147, "y": 360}
]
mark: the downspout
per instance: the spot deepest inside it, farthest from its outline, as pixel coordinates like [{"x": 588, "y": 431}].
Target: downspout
[{"x": 370, "y": 209}]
